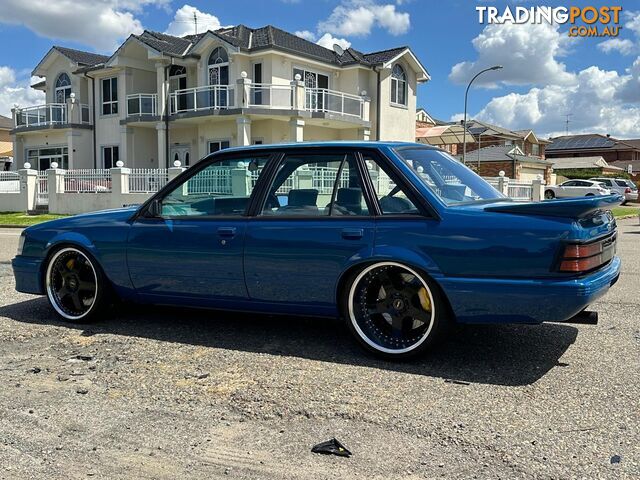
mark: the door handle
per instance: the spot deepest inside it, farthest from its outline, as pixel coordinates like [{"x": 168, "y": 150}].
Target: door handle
[
  {"x": 352, "y": 233},
  {"x": 227, "y": 232}
]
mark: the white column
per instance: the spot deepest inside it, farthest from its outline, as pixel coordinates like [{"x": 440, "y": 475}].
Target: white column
[
  {"x": 175, "y": 171},
  {"x": 244, "y": 131},
  {"x": 298, "y": 94},
  {"x": 55, "y": 186},
  {"x": 503, "y": 183},
  {"x": 537, "y": 189},
  {"x": 296, "y": 126},
  {"x": 126, "y": 146},
  {"x": 162, "y": 87},
  {"x": 242, "y": 91},
  {"x": 161, "y": 132},
  {"x": 240, "y": 182},
  {"x": 366, "y": 108}
]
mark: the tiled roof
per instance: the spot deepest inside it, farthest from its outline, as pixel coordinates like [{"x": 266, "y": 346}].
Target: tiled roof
[
  {"x": 80, "y": 57},
  {"x": 501, "y": 153},
  {"x": 269, "y": 36},
  {"x": 6, "y": 123},
  {"x": 579, "y": 162}
]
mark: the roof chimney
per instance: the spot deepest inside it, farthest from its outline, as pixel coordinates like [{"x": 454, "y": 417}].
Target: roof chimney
[{"x": 608, "y": 135}]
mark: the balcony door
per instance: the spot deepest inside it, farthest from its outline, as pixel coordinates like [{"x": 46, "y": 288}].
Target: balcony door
[
  {"x": 178, "y": 81},
  {"x": 61, "y": 93},
  {"x": 218, "y": 76},
  {"x": 314, "y": 83}
]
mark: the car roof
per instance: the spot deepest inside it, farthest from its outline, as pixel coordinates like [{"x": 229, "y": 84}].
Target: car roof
[{"x": 329, "y": 144}]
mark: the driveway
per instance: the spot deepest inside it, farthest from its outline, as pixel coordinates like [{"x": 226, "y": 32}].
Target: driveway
[{"x": 167, "y": 393}]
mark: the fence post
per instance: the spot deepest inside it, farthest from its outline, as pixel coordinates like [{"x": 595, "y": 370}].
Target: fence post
[
  {"x": 119, "y": 186},
  {"x": 305, "y": 178},
  {"x": 173, "y": 172},
  {"x": 537, "y": 189},
  {"x": 243, "y": 91},
  {"x": 297, "y": 87},
  {"x": 240, "y": 181},
  {"x": 28, "y": 188},
  {"x": 55, "y": 187},
  {"x": 503, "y": 183},
  {"x": 366, "y": 107}
]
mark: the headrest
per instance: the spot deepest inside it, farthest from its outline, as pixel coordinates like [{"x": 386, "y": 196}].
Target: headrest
[
  {"x": 349, "y": 196},
  {"x": 303, "y": 197}
]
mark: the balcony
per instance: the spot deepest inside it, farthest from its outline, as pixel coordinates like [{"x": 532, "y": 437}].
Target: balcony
[
  {"x": 332, "y": 101},
  {"x": 209, "y": 97},
  {"x": 142, "y": 105},
  {"x": 270, "y": 96},
  {"x": 53, "y": 115}
]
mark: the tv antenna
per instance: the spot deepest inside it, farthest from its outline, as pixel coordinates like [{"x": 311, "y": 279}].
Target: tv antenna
[
  {"x": 195, "y": 21},
  {"x": 566, "y": 123}
]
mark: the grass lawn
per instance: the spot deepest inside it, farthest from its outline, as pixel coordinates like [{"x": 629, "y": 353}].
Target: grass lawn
[
  {"x": 625, "y": 211},
  {"x": 23, "y": 220}
]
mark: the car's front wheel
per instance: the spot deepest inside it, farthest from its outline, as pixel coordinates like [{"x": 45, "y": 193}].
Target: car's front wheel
[
  {"x": 549, "y": 194},
  {"x": 394, "y": 311},
  {"x": 75, "y": 285}
]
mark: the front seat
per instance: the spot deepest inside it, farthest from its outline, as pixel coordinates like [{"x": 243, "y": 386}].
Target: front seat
[
  {"x": 348, "y": 202},
  {"x": 301, "y": 201}
]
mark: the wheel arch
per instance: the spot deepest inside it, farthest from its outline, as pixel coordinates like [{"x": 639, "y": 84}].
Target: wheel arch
[{"x": 66, "y": 240}]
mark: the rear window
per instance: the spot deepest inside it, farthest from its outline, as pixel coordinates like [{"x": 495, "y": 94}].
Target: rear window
[{"x": 621, "y": 183}]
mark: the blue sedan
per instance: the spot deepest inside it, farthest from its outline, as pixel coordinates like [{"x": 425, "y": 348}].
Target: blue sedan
[{"x": 399, "y": 239}]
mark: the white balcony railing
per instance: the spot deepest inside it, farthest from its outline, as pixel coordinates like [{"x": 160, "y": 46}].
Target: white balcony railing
[
  {"x": 267, "y": 95},
  {"x": 209, "y": 97},
  {"x": 332, "y": 101},
  {"x": 142, "y": 104},
  {"x": 52, "y": 114}
]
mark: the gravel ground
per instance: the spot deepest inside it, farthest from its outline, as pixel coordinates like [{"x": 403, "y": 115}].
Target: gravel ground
[{"x": 161, "y": 393}]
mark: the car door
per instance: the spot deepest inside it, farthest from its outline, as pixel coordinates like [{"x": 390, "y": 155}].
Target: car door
[
  {"x": 191, "y": 246},
  {"x": 567, "y": 189},
  {"x": 314, "y": 221}
]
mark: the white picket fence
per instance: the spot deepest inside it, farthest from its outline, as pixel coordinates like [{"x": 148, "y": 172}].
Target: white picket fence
[
  {"x": 9, "y": 182},
  {"x": 147, "y": 180},
  {"x": 87, "y": 181}
]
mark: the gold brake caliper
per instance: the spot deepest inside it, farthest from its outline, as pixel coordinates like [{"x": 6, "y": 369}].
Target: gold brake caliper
[{"x": 424, "y": 299}]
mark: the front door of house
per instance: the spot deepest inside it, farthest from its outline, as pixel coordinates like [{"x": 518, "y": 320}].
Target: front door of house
[{"x": 181, "y": 153}]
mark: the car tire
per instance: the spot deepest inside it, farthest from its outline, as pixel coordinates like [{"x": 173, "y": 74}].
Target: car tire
[
  {"x": 76, "y": 286},
  {"x": 408, "y": 319},
  {"x": 549, "y": 194}
]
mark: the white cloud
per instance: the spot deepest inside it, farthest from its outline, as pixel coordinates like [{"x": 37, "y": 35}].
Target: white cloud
[
  {"x": 183, "y": 22},
  {"x": 358, "y": 17},
  {"x": 633, "y": 22},
  {"x": 623, "y": 46},
  {"x": 306, "y": 34},
  {"x": 527, "y": 52},
  {"x": 100, "y": 24},
  {"x": 328, "y": 41},
  {"x": 593, "y": 100},
  {"x": 12, "y": 92}
]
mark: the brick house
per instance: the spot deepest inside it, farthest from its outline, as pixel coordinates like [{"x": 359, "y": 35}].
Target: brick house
[{"x": 489, "y": 161}]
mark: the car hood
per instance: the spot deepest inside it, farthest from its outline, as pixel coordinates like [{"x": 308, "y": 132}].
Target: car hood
[{"x": 101, "y": 217}]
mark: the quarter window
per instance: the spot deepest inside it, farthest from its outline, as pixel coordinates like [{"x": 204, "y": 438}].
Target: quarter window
[
  {"x": 316, "y": 185},
  {"x": 220, "y": 189},
  {"x": 110, "y": 96},
  {"x": 398, "y": 85},
  {"x": 392, "y": 199}
]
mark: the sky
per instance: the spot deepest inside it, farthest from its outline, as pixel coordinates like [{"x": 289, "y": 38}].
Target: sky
[{"x": 546, "y": 74}]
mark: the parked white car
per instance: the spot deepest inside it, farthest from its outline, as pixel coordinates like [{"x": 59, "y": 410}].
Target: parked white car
[
  {"x": 576, "y": 188},
  {"x": 622, "y": 186}
]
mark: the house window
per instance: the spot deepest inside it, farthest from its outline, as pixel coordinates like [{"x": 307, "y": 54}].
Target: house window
[
  {"x": 63, "y": 88},
  {"x": 110, "y": 156},
  {"x": 42, "y": 158},
  {"x": 398, "y": 85},
  {"x": 315, "y": 84},
  {"x": 535, "y": 149},
  {"x": 110, "y": 96},
  {"x": 217, "y": 145}
]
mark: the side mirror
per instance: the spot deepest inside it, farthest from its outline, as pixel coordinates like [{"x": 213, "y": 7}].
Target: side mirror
[{"x": 154, "y": 209}]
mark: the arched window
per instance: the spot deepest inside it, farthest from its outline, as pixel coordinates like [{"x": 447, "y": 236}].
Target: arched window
[
  {"x": 398, "y": 85},
  {"x": 218, "y": 74},
  {"x": 218, "y": 55},
  {"x": 186, "y": 159},
  {"x": 62, "y": 88}
]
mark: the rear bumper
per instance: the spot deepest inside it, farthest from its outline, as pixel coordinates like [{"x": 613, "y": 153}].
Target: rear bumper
[
  {"x": 631, "y": 197},
  {"x": 28, "y": 275},
  {"x": 480, "y": 300}
]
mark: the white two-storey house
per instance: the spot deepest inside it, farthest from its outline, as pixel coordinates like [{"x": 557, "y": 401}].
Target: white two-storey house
[{"x": 161, "y": 98}]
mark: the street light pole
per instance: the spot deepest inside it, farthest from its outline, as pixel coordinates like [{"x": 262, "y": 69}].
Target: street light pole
[{"x": 466, "y": 93}]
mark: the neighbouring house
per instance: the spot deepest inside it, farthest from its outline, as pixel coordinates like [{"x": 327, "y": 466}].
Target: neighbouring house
[
  {"x": 624, "y": 154},
  {"x": 489, "y": 161},
  {"x": 423, "y": 119},
  {"x": 583, "y": 167},
  {"x": 161, "y": 98},
  {"x": 6, "y": 145},
  {"x": 480, "y": 135}
]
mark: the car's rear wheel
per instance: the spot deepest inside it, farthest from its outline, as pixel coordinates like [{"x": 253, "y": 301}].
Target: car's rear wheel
[
  {"x": 589, "y": 195},
  {"x": 549, "y": 194},
  {"x": 394, "y": 311},
  {"x": 75, "y": 285}
]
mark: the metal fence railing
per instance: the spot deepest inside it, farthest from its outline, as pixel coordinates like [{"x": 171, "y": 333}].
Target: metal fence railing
[
  {"x": 520, "y": 190},
  {"x": 147, "y": 180},
  {"x": 209, "y": 97},
  {"x": 323, "y": 100},
  {"x": 268, "y": 95},
  {"x": 142, "y": 104},
  {"x": 87, "y": 181},
  {"x": 211, "y": 180},
  {"x": 42, "y": 188},
  {"x": 325, "y": 177},
  {"x": 9, "y": 182}
]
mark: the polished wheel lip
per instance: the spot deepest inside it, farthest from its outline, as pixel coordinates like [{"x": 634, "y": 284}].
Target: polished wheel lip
[
  {"x": 49, "y": 288},
  {"x": 362, "y": 335}
]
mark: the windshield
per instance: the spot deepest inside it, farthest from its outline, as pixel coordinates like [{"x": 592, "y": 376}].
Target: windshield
[{"x": 448, "y": 178}]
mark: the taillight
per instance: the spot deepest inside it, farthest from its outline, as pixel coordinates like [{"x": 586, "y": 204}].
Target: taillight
[
  {"x": 627, "y": 190},
  {"x": 578, "y": 258}
]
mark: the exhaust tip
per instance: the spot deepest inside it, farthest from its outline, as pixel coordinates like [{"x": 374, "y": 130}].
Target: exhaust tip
[{"x": 585, "y": 318}]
